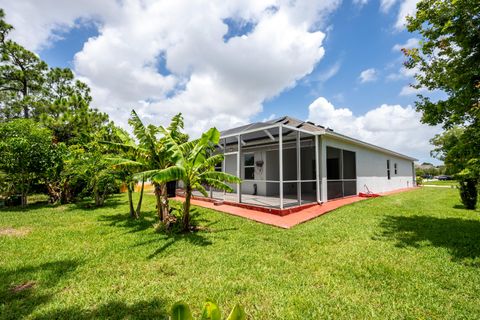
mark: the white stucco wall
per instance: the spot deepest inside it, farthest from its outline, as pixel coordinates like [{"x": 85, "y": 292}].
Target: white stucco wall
[{"x": 372, "y": 168}]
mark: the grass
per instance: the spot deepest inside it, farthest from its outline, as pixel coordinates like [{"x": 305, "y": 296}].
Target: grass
[
  {"x": 441, "y": 183},
  {"x": 410, "y": 255}
]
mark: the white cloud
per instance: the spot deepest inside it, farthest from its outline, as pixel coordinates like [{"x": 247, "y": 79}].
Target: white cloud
[
  {"x": 406, "y": 8},
  {"x": 212, "y": 81},
  {"x": 368, "y": 75},
  {"x": 360, "y": 3},
  {"x": 325, "y": 75},
  {"x": 390, "y": 126},
  {"x": 403, "y": 73},
  {"x": 410, "y": 44},
  {"x": 408, "y": 90},
  {"x": 39, "y": 24},
  {"x": 386, "y": 5}
]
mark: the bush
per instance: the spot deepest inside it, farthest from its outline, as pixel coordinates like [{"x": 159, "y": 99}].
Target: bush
[
  {"x": 419, "y": 180},
  {"x": 468, "y": 192}
]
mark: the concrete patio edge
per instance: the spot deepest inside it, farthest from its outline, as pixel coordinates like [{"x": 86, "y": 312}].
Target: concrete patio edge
[{"x": 287, "y": 221}]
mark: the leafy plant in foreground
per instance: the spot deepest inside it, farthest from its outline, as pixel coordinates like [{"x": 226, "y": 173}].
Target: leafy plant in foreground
[{"x": 181, "y": 311}]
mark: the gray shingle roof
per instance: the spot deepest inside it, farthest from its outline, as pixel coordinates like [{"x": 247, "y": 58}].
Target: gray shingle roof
[{"x": 305, "y": 125}]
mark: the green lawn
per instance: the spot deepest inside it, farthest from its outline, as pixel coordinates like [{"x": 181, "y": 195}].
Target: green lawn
[
  {"x": 411, "y": 255},
  {"x": 441, "y": 183}
]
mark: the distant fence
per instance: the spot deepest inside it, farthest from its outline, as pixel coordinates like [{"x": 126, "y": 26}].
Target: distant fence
[{"x": 148, "y": 187}]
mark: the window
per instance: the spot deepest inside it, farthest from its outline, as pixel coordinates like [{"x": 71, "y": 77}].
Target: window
[
  {"x": 388, "y": 169},
  {"x": 249, "y": 166},
  {"x": 218, "y": 167},
  {"x": 395, "y": 167}
]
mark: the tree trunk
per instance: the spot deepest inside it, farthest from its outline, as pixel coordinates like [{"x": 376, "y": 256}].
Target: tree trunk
[
  {"x": 54, "y": 191},
  {"x": 25, "y": 93},
  {"x": 130, "y": 201},
  {"x": 23, "y": 199},
  {"x": 186, "y": 208},
  {"x": 139, "y": 205},
  {"x": 159, "y": 201},
  {"x": 164, "y": 201}
]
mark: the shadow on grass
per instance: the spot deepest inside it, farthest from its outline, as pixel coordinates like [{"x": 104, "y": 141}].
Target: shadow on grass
[
  {"x": 194, "y": 238},
  {"x": 151, "y": 309},
  {"x": 88, "y": 204},
  {"x": 29, "y": 207},
  {"x": 123, "y": 220},
  {"x": 198, "y": 237},
  {"x": 461, "y": 237},
  {"x": 24, "y": 289}
]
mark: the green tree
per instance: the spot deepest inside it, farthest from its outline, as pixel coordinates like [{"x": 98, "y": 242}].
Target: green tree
[
  {"x": 22, "y": 75},
  {"x": 52, "y": 96},
  {"x": 89, "y": 168},
  {"x": 26, "y": 155},
  {"x": 448, "y": 60},
  {"x": 64, "y": 108},
  {"x": 195, "y": 166}
]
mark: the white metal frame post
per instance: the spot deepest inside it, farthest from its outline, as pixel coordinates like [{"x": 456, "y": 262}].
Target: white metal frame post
[
  {"x": 323, "y": 169},
  {"x": 280, "y": 160},
  {"x": 239, "y": 188},
  {"x": 299, "y": 170},
  {"x": 317, "y": 168}
]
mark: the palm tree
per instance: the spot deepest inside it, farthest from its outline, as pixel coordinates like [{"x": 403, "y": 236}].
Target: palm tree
[
  {"x": 195, "y": 167},
  {"x": 157, "y": 155}
]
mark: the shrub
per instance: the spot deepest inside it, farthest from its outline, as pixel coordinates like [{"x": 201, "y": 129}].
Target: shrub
[
  {"x": 419, "y": 180},
  {"x": 468, "y": 192}
]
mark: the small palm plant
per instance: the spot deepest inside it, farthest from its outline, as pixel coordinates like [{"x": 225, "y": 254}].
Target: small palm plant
[{"x": 195, "y": 167}]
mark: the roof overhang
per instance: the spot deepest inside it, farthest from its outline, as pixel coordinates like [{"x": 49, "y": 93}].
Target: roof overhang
[{"x": 305, "y": 128}]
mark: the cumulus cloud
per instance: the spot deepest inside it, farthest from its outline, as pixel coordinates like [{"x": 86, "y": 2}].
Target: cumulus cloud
[
  {"x": 212, "y": 80},
  {"x": 390, "y": 126},
  {"x": 39, "y": 24},
  {"x": 368, "y": 75}
]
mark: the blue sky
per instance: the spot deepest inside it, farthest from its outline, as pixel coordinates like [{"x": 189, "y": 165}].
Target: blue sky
[
  {"x": 360, "y": 38},
  {"x": 229, "y": 65}
]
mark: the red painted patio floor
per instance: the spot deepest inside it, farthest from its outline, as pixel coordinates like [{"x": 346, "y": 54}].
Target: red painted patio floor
[{"x": 289, "y": 220}]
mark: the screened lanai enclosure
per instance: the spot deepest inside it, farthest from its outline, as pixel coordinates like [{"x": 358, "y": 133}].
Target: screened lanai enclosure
[{"x": 280, "y": 164}]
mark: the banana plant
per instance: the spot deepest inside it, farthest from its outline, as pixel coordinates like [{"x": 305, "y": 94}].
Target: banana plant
[
  {"x": 195, "y": 167},
  {"x": 157, "y": 156},
  {"x": 130, "y": 160},
  {"x": 181, "y": 311}
]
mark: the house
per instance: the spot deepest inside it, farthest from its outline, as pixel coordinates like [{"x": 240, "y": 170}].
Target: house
[{"x": 286, "y": 162}]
